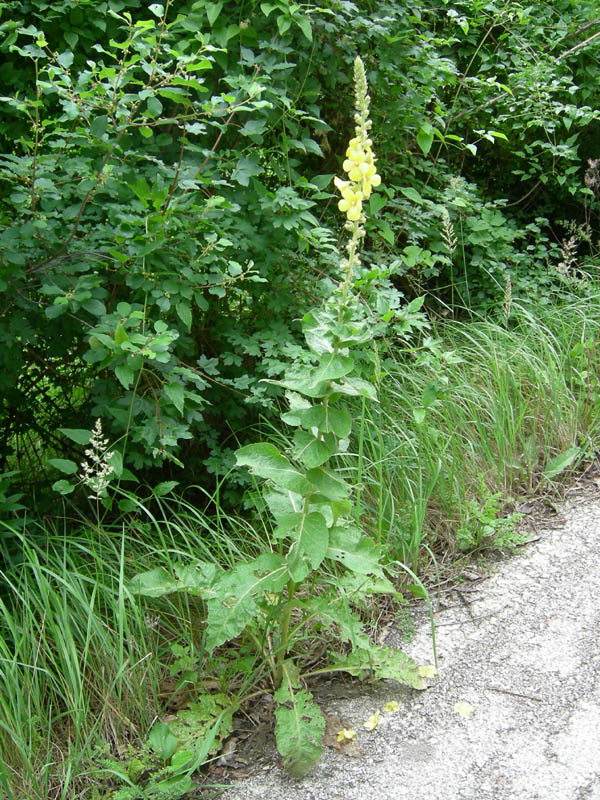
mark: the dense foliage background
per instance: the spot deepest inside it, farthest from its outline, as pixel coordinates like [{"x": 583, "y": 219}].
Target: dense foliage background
[
  {"x": 166, "y": 209},
  {"x": 167, "y": 217}
]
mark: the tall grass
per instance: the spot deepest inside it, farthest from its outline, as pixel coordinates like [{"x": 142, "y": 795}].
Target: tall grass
[
  {"x": 84, "y": 663},
  {"x": 509, "y": 398}
]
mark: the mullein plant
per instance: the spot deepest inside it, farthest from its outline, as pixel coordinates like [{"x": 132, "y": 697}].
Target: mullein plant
[{"x": 324, "y": 565}]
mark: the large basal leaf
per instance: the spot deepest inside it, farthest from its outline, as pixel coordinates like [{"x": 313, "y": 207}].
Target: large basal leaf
[
  {"x": 384, "y": 663},
  {"x": 266, "y": 461},
  {"x": 350, "y": 547},
  {"x": 238, "y": 591},
  {"x": 299, "y": 729}
]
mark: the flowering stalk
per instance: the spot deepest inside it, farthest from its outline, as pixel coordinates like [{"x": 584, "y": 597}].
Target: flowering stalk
[
  {"x": 362, "y": 176},
  {"x": 96, "y": 472}
]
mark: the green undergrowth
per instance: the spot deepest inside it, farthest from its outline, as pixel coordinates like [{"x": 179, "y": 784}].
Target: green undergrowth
[
  {"x": 504, "y": 411},
  {"x": 90, "y": 671}
]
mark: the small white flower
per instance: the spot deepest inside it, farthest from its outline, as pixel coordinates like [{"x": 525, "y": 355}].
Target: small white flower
[{"x": 96, "y": 471}]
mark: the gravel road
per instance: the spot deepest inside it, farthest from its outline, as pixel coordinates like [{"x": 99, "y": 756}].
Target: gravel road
[{"x": 522, "y": 648}]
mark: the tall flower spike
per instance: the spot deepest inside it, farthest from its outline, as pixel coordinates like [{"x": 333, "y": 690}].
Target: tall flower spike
[{"x": 360, "y": 160}]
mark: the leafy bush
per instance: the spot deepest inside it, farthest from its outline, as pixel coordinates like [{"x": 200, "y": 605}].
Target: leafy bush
[{"x": 165, "y": 170}]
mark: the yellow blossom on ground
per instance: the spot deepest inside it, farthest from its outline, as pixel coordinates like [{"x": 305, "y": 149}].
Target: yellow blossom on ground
[
  {"x": 463, "y": 708},
  {"x": 392, "y": 706},
  {"x": 372, "y": 722},
  {"x": 346, "y": 734}
]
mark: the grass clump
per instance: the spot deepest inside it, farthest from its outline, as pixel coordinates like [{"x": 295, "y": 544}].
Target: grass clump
[{"x": 496, "y": 414}]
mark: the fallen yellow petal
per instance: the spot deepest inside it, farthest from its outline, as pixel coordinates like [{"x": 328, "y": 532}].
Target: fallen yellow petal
[
  {"x": 392, "y": 706},
  {"x": 464, "y": 709},
  {"x": 372, "y": 722},
  {"x": 346, "y": 734},
  {"x": 427, "y": 671}
]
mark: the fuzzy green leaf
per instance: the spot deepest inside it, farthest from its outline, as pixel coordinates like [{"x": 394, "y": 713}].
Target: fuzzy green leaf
[
  {"x": 238, "y": 591},
  {"x": 560, "y": 462},
  {"x": 384, "y": 663},
  {"x": 312, "y": 452},
  {"x": 356, "y": 387},
  {"x": 196, "y": 579},
  {"x": 287, "y": 522},
  {"x": 266, "y": 461},
  {"x": 356, "y": 552},
  {"x": 299, "y": 729},
  {"x": 312, "y": 539},
  {"x": 335, "y": 613},
  {"x": 331, "y": 367},
  {"x": 282, "y": 502},
  {"x": 328, "y": 483},
  {"x": 317, "y": 326},
  {"x": 328, "y": 419},
  {"x": 77, "y": 435}
]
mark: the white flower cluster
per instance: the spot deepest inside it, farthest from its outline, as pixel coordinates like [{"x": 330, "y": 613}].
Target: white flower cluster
[{"x": 97, "y": 471}]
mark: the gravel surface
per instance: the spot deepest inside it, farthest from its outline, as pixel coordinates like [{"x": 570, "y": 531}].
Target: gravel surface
[{"x": 523, "y": 649}]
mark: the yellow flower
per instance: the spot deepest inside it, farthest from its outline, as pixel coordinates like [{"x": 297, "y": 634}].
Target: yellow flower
[
  {"x": 360, "y": 166},
  {"x": 346, "y": 734},
  {"x": 392, "y": 706},
  {"x": 351, "y": 202},
  {"x": 372, "y": 722}
]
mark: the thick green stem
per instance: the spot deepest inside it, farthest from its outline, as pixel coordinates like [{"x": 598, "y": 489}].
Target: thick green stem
[
  {"x": 352, "y": 248},
  {"x": 284, "y": 632}
]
